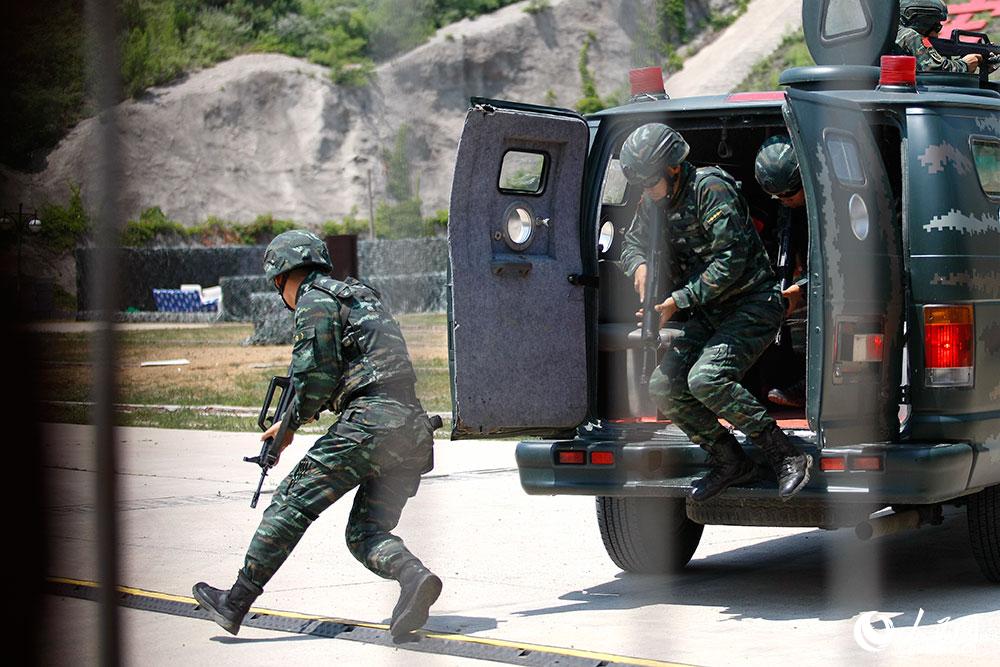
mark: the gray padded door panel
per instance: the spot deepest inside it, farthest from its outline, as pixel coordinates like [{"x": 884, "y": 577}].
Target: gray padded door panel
[{"x": 519, "y": 361}]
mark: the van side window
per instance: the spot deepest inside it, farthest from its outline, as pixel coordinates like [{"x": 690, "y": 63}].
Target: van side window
[
  {"x": 987, "y": 157},
  {"x": 843, "y": 153},
  {"x": 522, "y": 172},
  {"x": 613, "y": 190}
]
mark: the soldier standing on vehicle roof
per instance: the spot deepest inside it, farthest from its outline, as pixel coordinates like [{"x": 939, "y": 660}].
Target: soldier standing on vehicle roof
[
  {"x": 776, "y": 169},
  {"x": 918, "y": 21},
  {"x": 349, "y": 357},
  {"x": 724, "y": 280}
]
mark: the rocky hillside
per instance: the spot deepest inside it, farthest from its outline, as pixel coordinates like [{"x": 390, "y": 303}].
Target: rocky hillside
[{"x": 270, "y": 133}]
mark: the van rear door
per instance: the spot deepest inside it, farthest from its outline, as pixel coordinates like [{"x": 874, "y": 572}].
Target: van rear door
[
  {"x": 517, "y": 327},
  {"x": 856, "y": 297}
]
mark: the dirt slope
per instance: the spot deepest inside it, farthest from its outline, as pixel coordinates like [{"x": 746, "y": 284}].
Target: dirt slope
[{"x": 269, "y": 133}]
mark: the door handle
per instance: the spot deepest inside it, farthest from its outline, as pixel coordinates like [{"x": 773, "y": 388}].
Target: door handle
[{"x": 503, "y": 268}]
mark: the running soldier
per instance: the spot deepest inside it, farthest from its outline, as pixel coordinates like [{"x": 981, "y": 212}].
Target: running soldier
[
  {"x": 349, "y": 357},
  {"x": 721, "y": 277},
  {"x": 918, "y": 21}
]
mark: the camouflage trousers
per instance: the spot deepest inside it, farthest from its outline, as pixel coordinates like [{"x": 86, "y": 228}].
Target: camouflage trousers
[
  {"x": 377, "y": 445},
  {"x": 698, "y": 379}
]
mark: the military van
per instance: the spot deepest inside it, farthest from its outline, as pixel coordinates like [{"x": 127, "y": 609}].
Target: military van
[{"x": 901, "y": 333}]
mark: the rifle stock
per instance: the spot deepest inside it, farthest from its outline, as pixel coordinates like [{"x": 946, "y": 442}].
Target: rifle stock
[{"x": 268, "y": 451}]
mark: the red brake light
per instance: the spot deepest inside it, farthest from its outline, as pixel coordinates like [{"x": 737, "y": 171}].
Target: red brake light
[
  {"x": 602, "y": 458},
  {"x": 949, "y": 341},
  {"x": 833, "y": 464},
  {"x": 572, "y": 457},
  {"x": 869, "y": 463},
  {"x": 948, "y": 336}
]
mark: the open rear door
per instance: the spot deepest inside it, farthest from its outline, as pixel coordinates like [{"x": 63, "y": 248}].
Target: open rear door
[
  {"x": 517, "y": 320},
  {"x": 855, "y": 273}
]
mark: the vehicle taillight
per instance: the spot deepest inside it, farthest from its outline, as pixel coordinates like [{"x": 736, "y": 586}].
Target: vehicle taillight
[
  {"x": 948, "y": 346},
  {"x": 572, "y": 457},
  {"x": 602, "y": 458}
]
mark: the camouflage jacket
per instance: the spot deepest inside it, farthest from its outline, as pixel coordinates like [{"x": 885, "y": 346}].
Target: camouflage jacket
[
  {"x": 909, "y": 42},
  {"x": 712, "y": 250},
  {"x": 345, "y": 340}
]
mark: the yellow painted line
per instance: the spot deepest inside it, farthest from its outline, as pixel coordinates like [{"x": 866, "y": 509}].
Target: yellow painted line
[
  {"x": 466, "y": 639},
  {"x": 190, "y": 600},
  {"x": 541, "y": 648}
]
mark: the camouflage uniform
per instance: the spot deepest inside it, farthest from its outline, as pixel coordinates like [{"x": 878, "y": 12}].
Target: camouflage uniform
[
  {"x": 724, "y": 280},
  {"x": 909, "y": 42},
  {"x": 349, "y": 356}
]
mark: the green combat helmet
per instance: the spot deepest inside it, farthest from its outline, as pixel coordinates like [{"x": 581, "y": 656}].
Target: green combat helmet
[
  {"x": 295, "y": 249},
  {"x": 649, "y": 151},
  {"x": 922, "y": 15},
  {"x": 777, "y": 167}
]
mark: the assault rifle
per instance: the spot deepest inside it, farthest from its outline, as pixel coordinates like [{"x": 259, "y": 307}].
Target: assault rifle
[
  {"x": 650, "y": 318},
  {"x": 269, "y": 450},
  {"x": 955, "y": 47},
  {"x": 786, "y": 267}
]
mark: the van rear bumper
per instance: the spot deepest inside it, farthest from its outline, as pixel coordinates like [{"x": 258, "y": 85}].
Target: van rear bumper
[{"x": 912, "y": 474}]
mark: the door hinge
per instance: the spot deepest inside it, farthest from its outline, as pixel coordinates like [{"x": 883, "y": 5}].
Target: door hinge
[{"x": 581, "y": 280}]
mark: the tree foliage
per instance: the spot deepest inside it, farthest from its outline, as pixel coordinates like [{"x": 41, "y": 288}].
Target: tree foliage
[{"x": 43, "y": 58}]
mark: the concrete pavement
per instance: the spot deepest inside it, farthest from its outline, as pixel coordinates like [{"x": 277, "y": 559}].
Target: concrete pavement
[{"x": 518, "y": 568}]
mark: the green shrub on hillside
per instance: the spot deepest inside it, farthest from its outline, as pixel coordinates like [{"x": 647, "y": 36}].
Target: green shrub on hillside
[
  {"x": 63, "y": 227},
  {"x": 43, "y": 58},
  {"x": 792, "y": 52}
]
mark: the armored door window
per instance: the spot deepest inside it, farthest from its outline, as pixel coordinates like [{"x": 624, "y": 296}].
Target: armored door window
[
  {"x": 843, "y": 151},
  {"x": 845, "y": 19},
  {"x": 613, "y": 190},
  {"x": 987, "y": 157},
  {"x": 522, "y": 172}
]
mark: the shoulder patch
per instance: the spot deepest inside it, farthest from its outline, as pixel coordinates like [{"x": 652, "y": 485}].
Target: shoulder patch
[{"x": 304, "y": 334}]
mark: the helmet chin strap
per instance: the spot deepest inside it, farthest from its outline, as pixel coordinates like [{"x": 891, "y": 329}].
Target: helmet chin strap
[{"x": 283, "y": 280}]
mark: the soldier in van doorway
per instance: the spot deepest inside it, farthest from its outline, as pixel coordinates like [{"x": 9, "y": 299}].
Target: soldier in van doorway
[
  {"x": 722, "y": 277},
  {"x": 776, "y": 169}
]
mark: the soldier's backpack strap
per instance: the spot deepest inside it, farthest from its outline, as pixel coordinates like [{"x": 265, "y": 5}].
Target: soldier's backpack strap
[
  {"x": 705, "y": 172},
  {"x": 342, "y": 293}
]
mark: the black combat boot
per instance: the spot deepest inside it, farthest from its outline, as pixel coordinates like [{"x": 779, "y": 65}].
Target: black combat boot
[
  {"x": 227, "y": 608},
  {"x": 730, "y": 465},
  {"x": 419, "y": 589},
  {"x": 790, "y": 465}
]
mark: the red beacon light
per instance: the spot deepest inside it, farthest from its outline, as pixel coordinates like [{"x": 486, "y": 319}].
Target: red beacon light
[
  {"x": 899, "y": 72},
  {"x": 647, "y": 84}
]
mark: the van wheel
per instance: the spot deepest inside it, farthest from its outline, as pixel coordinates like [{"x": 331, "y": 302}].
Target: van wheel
[
  {"x": 984, "y": 531},
  {"x": 647, "y": 535}
]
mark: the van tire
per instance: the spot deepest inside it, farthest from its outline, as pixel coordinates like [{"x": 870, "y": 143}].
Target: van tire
[
  {"x": 984, "y": 531},
  {"x": 647, "y": 535}
]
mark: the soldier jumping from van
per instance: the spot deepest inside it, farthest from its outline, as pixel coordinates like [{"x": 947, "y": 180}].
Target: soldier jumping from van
[
  {"x": 723, "y": 278},
  {"x": 918, "y": 21},
  {"x": 349, "y": 357},
  {"x": 776, "y": 169}
]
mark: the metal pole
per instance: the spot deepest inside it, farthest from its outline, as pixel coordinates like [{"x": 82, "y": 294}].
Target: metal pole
[
  {"x": 19, "y": 231},
  {"x": 371, "y": 208},
  {"x": 105, "y": 88}
]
